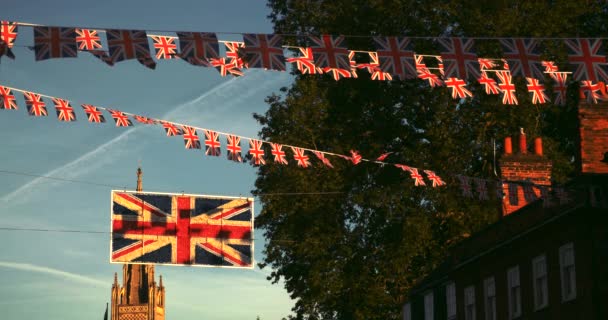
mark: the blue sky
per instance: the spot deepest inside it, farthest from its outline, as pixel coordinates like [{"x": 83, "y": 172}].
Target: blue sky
[{"x": 49, "y": 275}]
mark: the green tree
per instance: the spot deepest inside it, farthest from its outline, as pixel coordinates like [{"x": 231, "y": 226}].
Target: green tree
[{"x": 363, "y": 235}]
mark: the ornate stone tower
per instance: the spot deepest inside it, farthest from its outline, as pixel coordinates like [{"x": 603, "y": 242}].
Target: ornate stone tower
[{"x": 139, "y": 298}]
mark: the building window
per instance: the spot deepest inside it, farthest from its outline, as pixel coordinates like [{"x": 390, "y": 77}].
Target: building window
[
  {"x": 450, "y": 298},
  {"x": 407, "y": 312},
  {"x": 469, "y": 303},
  {"x": 428, "y": 306},
  {"x": 514, "y": 293},
  {"x": 567, "y": 271},
  {"x": 539, "y": 278},
  {"x": 489, "y": 295}
]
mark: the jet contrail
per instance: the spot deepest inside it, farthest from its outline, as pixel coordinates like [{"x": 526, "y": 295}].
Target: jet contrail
[{"x": 55, "y": 272}]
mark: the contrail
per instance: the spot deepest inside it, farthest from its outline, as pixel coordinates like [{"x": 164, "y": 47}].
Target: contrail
[{"x": 55, "y": 272}]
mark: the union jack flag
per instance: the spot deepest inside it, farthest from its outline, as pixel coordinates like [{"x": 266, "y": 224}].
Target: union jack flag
[
  {"x": 418, "y": 179},
  {"x": 35, "y": 105},
  {"x": 190, "y": 138},
  {"x": 300, "y": 157},
  {"x": 121, "y": 119},
  {"x": 198, "y": 48},
  {"x": 8, "y": 32},
  {"x": 256, "y": 152},
  {"x": 65, "y": 112},
  {"x": 305, "y": 63},
  {"x": 93, "y": 113},
  {"x": 54, "y": 42},
  {"x": 424, "y": 73},
  {"x": 538, "y": 91},
  {"x": 182, "y": 229},
  {"x": 550, "y": 66},
  {"x": 171, "y": 129},
  {"x": 264, "y": 51},
  {"x": 486, "y": 64},
  {"x": 591, "y": 91},
  {"x": 8, "y": 99},
  {"x": 522, "y": 56},
  {"x": 5, "y": 50},
  {"x": 323, "y": 159},
  {"x": 225, "y": 68},
  {"x": 588, "y": 58},
  {"x": 465, "y": 186},
  {"x": 337, "y": 74},
  {"x": 355, "y": 157},
  {"x": 513, "y": 193},
  {"x": 233, "y": 145},
  {"x": 234, "y": 54},
  {"x": 374, "y": 68},
  {"x": 328, "y": 52},
  {"x": 87, "y": 39},
  {"x": 458, "y": 88},
  {"x": 488, "y": 83},
  {"x": 164, "y": 47},
  {"x": 481, "y": 188},
  {"x": 129, "y": 44},
  {"x": 278, "y": 153},
  {"x": 396, "y": 56},
  {"x": 212, "y": 143},
  {"x": 459, "y": 59},
  {"x": 144, "y": 120},
  {"x": 560, "y": 87},
  {"x": 435, "y": 179},
  {"x": 383, "y": 156},
  {"x": 507, "y": 87}
]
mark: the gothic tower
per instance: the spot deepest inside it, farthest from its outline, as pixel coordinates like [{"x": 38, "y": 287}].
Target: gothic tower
[{"x": 138, "y": 298}]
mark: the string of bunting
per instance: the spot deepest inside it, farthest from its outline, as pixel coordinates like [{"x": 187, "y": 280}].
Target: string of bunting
[
  {"x": 394, "y": 58},
  {"x": 258, "y": 150}
]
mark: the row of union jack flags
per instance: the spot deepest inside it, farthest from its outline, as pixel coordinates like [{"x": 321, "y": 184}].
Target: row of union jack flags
[
  {"x": 256, "y": 152},
  {"x": 455, "y": 67}
]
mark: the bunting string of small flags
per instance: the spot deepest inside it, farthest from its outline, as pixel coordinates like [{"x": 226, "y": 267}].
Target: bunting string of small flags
[
  {"x": 257, "y": 154},
  {"x": 455, "y": 68}
]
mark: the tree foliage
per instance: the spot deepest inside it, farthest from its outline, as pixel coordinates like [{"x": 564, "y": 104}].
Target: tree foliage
[{"x": 357, "y": 238}]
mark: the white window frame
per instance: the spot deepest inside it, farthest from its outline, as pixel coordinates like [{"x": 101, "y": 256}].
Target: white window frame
[
  {"x": 469, "y": 300},
  {"x": 450, "y": 300},
  {"x": 514, "y": 286},
  {"x": 540, "y": 282},
  {"x": 489, "y": 298},
  {"x": 567, "y": 278},
  {"x": 407, "y": 311},
  {"x": 429, "y": 313}
]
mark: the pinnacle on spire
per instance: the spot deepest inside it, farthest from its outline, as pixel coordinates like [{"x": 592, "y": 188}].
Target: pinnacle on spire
[
  {"x": 139, "y": 183},
  {"x": 160, "y": 284},
  {"x": 115, "y": 279}
]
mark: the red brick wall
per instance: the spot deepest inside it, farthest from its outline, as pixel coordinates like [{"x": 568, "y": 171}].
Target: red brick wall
[
  {"x": 522, "y": 167},
  {"x": 593, "y": 121}
]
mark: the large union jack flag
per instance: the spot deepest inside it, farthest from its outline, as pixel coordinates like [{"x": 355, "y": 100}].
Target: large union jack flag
[
  {"x": 264, "y": 51},
  {"x": 587, "y": 56},
  {"x": 523, "y": 58},
  {"x": 129, "y": 44},
  {"x": 396, "y": 56},
  {"x": 328, "y": 52},
  {"x": 8, "y": 32},
  {"x": 198, "y": 48},
  {"x": 459, "y": 59},
  {"x": 54, "y": 42},
  {"x": 182, "y": 229}
]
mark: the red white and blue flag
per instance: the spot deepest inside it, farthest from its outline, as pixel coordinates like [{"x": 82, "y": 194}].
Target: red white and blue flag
[
  {"x": 587, "y": 56},
  {"x": 171, "y": 129},
  {"x": 305, "y": 62},
  {"x": 121, "y": 119},
  {"x": 264, "y": 51},
  {"x": 225, "y": 67},
  {"x": 93, "y": 113},
  {"x": 459, "y": 59},
  {"x": 435, "y": 179},
  {"x": 278, "y": 153},
  {"x": 8, "y": 99},
  {"x": 35, "y": 105},
  {"x": 458, "y": 88},
  {"x": 65, "y": 112},
  {"x": 256, "y": 152},
  {"x": 129, "y": 44},
  {"x": 560, "y": 87},
  {"x": 489, "y": 84},
  {"x": 321, "y": 156},
  {"x": 55, "y": 42},
  {"x": 425, "y": 74},
  {"x": 507, "y": 87},
  {"x": 538, "y": 91},
  {"x": 300, "y": 157},
  {"x": 198, "y": 48},
  {"x": 233, "y": 147},
  {"x": 234, "y": 54},
  {"x": 152, "y": 228},
  {"x": 592, "y": 92},
  {"x": 144, "y": 120},
  {"x": 328, "y": 52},
  {"x": 523, "y": 57},
  {"x": 191, "y": 140},
  {"x": 212, "y": 143},
  {"x": 8, "y": 32},
  {"x": 165, "y": 47},
  {"x": 88, "y": 39},
  {"x": 396, "y": 56}
]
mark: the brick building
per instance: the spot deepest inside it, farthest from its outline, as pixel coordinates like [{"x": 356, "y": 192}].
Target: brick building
[{"x": 546, "y": 258}]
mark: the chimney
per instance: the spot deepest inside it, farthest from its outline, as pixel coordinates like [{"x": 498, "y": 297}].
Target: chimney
[
  {"x": 520, "y": 167},
  {"x": 593, "y": 123}
]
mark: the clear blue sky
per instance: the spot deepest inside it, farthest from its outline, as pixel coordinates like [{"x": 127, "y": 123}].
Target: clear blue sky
[{"x": 48, "y": 275}]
